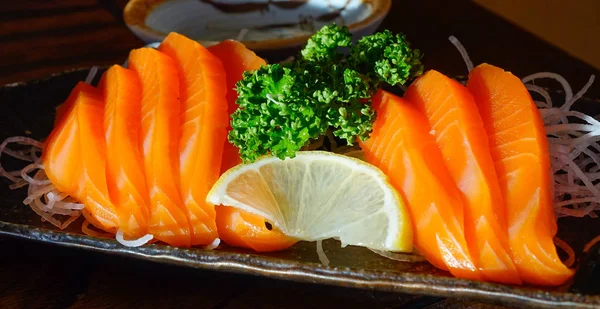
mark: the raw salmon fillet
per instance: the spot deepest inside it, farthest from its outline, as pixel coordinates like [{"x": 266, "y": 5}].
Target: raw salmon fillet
[
  {"x": 203, "y": 130},
  {"x": 460, "y": 135},
  {"x": 236, "y": 59},
  {"x": 159, "y": 143},
  {"x": 125, "y": 164},
  {"x": 62, "y": 149},
  {"x": 243, "y": 229},
  {"x": 403, "y": 148},
  {"x": 74, "y": 156},
  {"x": 519, "y": 148}
]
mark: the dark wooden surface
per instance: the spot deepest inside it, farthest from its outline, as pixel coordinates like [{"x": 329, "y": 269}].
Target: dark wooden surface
[{"x": 41, "y": 37}]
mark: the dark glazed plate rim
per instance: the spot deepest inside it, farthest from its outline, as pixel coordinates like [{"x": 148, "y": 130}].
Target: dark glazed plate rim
[
  {"x": 303, "y": 271},
  {"x": 254, "y": 264}
]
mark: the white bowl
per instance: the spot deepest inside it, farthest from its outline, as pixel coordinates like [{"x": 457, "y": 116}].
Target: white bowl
[{"x": 259, "y": 24}]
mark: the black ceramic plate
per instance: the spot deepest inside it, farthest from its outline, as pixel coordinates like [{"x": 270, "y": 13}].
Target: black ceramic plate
[{"x": 28, "y": 109}]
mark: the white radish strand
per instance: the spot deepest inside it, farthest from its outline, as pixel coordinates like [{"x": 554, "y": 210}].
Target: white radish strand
[
  {"x": 45, "y": 215},
  {"x": 3, "y": 149},
  {"x": 400, "y": 257},
  {"x": 240, "y": 37},
  {"x": 37, "y": 193},
  {"x": 213, "y": 245},
  {"x": 69, "y": 221},
  {"x": 463, "y": 52},
  {"x": 591, "y": 243},
  {"x": 550, "y": 75},
  {"x": 567, "y": 249},
  {"x": 541, "y": 91},
  {"x": 19, "y": 184},
  {"x": 85, "y": 228},
  {"x": 32, "y": 167},
  {"x": 90, "y": 77},
  {"x": 569, "y": 127},
  {"x": 41, "y": 189},
  {"x": 321, "y": 253},
  {"x": 21, "y": 155},
  {"x": 579, "y": 94},
  {"x": 134, "y": 242},
  {"x": 33, "y": 153}
]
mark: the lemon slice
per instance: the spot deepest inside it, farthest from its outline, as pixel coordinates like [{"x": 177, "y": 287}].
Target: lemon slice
[{"x": 319, "y": 195}]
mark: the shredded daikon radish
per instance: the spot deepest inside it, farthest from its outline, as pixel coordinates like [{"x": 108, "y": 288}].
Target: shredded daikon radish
[
  {"x": 579, "y": 94},
  {"x": 55, "y": 204},
  {"x": 3, "y": 149},
  {"x": 213, "y": 245},
  {"x": 37, "y": 193},
  {"x": 242, "y": 34},
  {"x": 40, "y": 187},
  {"x": 32, "y": 167},
  {"x": 541, "y": 91},
  {"x": 45, "y": 216},
  {"x": 321, "y": 253},
  {"x": 85, "y": 228},
  {"x": 69, "y": 221},
  {"x": 401, "y": 257},
  {"x": 591, "y": 243},
  {"x": 134, "y": 242},
  {"x": 462, "y": 51},
  {"x": 567, "y": 249},
  {"x": 90, "y": 77},
  {"x": 21, "y": 155},
  {"x": 33, "y": 153},
  {"x": 68, "y": 205},
  {"x": 19, "y": 184},
  {"x": 550, "y": 75},
  {"x": 578, "y": 158},
  {"x": 15, "y": 173}
]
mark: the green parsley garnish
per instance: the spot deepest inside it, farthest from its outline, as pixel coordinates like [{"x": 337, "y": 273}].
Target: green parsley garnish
[{"x": 284, "y": 106}]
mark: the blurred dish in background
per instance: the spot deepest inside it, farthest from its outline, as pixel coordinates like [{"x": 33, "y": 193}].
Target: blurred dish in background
[{"x": 259, "y": 24}]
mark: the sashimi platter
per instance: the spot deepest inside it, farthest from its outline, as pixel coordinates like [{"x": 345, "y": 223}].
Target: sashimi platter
[{"x": 349, "y": 152}]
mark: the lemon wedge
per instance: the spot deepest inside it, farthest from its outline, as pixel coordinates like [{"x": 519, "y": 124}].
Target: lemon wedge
[{"x": 319, "y": 195}]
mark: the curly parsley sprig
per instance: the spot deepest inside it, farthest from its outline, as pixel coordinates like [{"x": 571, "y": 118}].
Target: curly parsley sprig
[
  {"x": 385, "y": 57},
  {"x": 284, "y": 106}
]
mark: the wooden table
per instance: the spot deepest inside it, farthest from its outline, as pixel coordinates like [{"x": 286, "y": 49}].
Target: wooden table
[{"x": 41, "y": 37}]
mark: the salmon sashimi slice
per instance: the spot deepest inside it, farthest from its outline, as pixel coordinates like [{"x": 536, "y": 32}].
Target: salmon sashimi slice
[
  {"x": 64, "y": 108},
  {"x": 519, "y": 148},
  {"x": 75, "y": 154},
  {"x": 459, "y": 133},
  {"x": 61, "y": 156},
  {"x": 237, "y": 227},
  {"x": 402, "y": 147},
  {"x": 236, "y": 59},
  {"x": 159, "y": 142},
  {"x": 203, "y": 130},
  {"x": 124, "y": 162},
  {"x": 246, "y": 230},
  {"x": 98, "y": 208}
]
